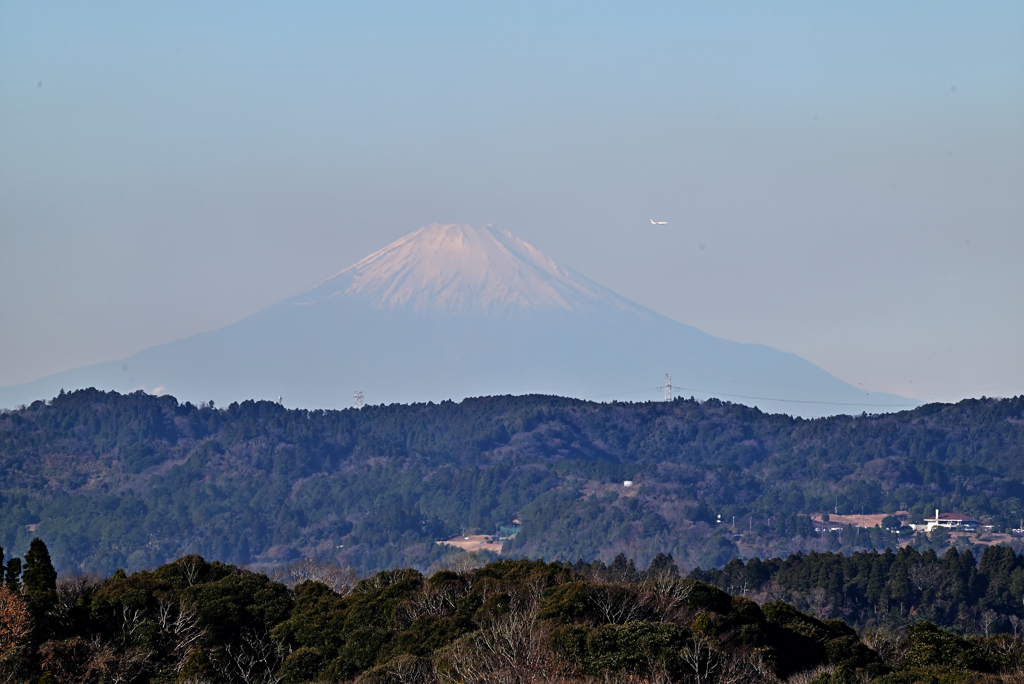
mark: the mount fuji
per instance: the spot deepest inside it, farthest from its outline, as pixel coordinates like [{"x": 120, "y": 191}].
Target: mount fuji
[{"x": 452, "y": 311}]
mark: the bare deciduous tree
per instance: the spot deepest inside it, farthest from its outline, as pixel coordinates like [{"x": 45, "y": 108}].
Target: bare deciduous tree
[
  {"x": 436, "y": 598},
  {"x": 11, "y": 671},
  {"x": 70, "y": 590},
  {"x": 254, "y": 660},
  {"x": 988, "y": 620},
  {"x": 190, "y": 567},
  {"x": 768, "y": 593},
  {"x": 510, "y": 649},
  {"x": 808, "y": 676},
  {"x": 66, "y": 660},
  {"x": 125, "y": 666},
  {"x": 79, "y": 660},
  {"x": 618, "y": 604},
  {"x": 1017, "y": 625},
  {"x": 659, "y": 676},
  {"x": 340, "y": 579},
  {"x": 132, "y": 620},
  {"x": 668, "y": 599},
  {"x": 740, "y": 668},
  {"x": 181, "y": 622},
  {"x": 461, "y": 562},
  {"x": 892, "y": 650},
  {"x": 407, "y": 669},
  {"x": 701, "y": 659},
  {"x": 389, "y": 577}
]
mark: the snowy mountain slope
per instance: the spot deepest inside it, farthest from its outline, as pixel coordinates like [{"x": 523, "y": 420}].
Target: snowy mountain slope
[
  {"x": 462, "y": 270},
  {"x": 452, "y": 311}
]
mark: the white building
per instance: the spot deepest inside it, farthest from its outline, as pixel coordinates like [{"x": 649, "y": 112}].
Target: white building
[{"x": 950, "y": 521}]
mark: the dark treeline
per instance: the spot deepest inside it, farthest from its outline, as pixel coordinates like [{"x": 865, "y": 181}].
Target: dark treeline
[
  {"x": 889, "y": 589},
  {"x": 193, "y": 621},
  {"x": 132, "y": 481}
]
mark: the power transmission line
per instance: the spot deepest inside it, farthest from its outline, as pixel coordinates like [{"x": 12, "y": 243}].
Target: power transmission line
[{"x": 668, "y": 387}]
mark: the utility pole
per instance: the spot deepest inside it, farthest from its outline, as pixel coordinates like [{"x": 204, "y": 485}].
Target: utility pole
[{"x": 357, "y": 400}]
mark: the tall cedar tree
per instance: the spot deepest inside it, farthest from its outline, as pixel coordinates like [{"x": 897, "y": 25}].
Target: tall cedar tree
[
  {"x": 13, "y": 581},
  {"x": 40, "y": 587},
  {"x": 39, "y": 574}
]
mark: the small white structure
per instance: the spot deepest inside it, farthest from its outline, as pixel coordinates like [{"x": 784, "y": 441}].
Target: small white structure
[
  {"x": 627, "y": 483},
  {"x": 950, "y": 521}
]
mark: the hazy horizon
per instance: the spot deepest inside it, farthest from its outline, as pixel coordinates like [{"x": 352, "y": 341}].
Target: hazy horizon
[{"x": 839, "y": 182}]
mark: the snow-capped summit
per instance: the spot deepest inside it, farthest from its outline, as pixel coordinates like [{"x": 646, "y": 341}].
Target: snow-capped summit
[
  {"x": 460, "y": 269},
  {"x": 452, "y": 311}
]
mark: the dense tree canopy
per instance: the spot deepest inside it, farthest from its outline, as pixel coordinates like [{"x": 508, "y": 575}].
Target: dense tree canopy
[
  {"x": 890, "y": 590},
  {"x": 511, "y": 622}
]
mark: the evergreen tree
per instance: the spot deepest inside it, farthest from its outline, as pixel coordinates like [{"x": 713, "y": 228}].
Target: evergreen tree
[
  {"x": 40, "y": 588},
  {"x": 39, "y": 575},
  {"x": 14, "y": 575},
  {"x": 663, "y": 567}
]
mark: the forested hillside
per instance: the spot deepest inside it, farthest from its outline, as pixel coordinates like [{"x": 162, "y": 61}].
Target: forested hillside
[
  {"x": 132, "y": 481},
  {"x": 889, "y": 590},
  {"x": 509, "y": 622}
]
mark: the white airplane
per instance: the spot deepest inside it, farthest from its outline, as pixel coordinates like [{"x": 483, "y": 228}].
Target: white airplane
[{"x": 658, "y": 223}]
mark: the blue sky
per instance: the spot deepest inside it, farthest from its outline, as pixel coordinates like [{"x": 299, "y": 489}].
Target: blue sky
[{"x": 841, "y": 180}]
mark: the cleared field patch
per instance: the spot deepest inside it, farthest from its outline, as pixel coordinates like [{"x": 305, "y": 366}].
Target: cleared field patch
[
  {"x": 868, "y": 520},
  {"x": 473, "y": 542}
]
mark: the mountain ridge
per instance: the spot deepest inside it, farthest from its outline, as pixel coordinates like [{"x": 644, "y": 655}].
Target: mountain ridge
[{"x": 450, "y": 312}]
